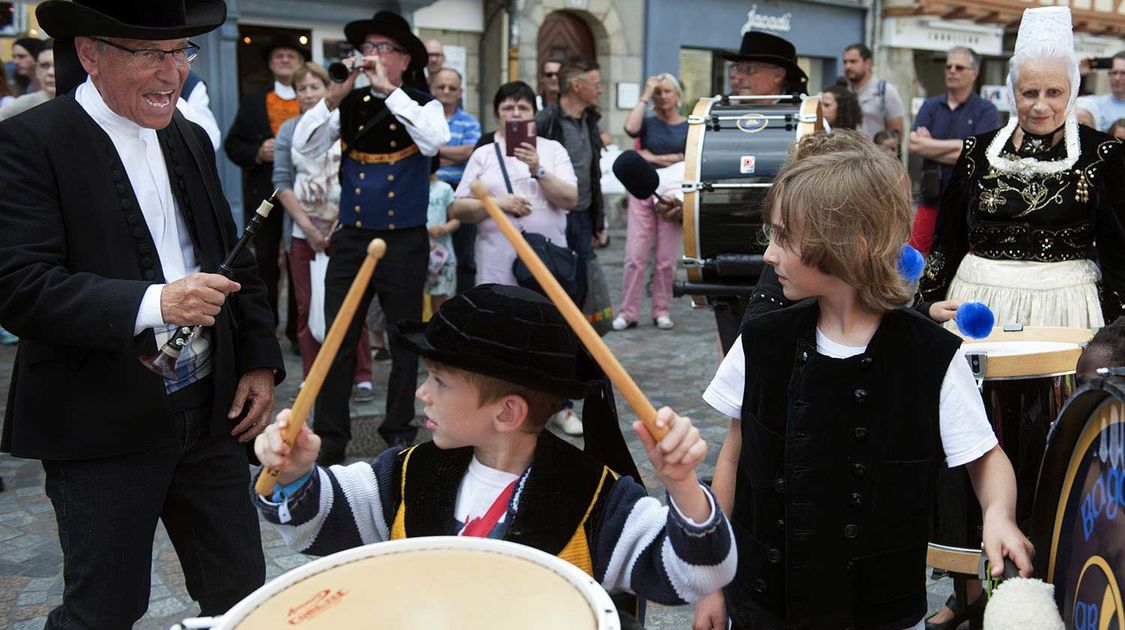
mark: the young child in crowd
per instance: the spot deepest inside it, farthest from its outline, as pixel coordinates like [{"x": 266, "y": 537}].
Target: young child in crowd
[
  {"x": 1106, "y": 349},
  {"x": 441, "y": 281},
  {"x": 844, "y": 405},
  {"x": 500, "y": 359}
]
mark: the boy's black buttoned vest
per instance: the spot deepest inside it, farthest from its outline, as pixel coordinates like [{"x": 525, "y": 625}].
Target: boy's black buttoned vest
[{"x": 836, "y": 475}]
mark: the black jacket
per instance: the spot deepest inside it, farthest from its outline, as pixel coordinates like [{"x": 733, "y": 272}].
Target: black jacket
[
  {"x": 75, "y": 260},
  {"x": 548, "y": 124},
  {"x": 251, "y": 128}
]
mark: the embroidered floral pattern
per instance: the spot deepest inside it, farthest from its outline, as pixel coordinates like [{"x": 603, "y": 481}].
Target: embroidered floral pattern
[{"x": 1035, "y": 191}]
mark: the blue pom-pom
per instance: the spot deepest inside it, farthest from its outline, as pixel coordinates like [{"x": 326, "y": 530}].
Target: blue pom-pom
[
  {"x": 910, "y": 264},
  {"x": 975, "y": 320}
]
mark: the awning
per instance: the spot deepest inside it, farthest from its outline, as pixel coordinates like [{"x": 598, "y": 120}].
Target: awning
[{"x": 1098, "y": 17}]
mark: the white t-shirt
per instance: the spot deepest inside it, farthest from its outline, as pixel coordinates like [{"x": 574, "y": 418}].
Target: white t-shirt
[
  {"x": 478, "y": 491},
  {"x": 876, "y": 107},
  {"x": 965, "y": 431}
]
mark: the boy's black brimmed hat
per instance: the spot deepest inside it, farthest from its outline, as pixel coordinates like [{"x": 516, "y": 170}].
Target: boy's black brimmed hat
[
  {"x": 517, "y": 335},
  {"x": 131, "y": 19},
  {"x": 509, "y": 333}
]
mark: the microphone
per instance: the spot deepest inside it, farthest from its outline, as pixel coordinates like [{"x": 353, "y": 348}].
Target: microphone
[{"x": 636, "y": 175}]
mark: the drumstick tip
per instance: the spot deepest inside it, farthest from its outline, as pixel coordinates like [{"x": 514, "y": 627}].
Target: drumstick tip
[
  {"x": 376, "y": 248},
  {"x": 479, "y": 189}
]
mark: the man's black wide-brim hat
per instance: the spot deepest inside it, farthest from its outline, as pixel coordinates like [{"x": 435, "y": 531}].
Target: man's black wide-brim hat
[
  {"x": 131, "y": 19},
  {"x": 392, "y": 25},
  {"x": 769, "y": 48},
  {"x": 286, "y": 40}
]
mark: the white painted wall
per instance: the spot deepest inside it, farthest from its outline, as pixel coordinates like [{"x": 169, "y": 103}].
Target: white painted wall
[{"x": 452, "y": 15}]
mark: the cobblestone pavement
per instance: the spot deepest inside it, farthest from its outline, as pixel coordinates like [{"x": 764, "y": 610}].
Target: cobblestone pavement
[{"x": 671, "y": 367}]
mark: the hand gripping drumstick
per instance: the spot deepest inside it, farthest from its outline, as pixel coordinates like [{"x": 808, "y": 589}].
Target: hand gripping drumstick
[
  {"x": 319, "y": 370},
  {"x": 574, "y": 317}
]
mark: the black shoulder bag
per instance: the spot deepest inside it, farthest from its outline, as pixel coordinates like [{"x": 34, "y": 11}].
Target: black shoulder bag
[{"x": 561, "y": 261}]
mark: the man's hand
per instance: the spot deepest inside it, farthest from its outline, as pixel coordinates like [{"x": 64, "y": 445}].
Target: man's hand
[
  {"x": 265, "y": 152},
  {"x": 514, "y": 205},
  {"x": 1002, "y": 538},
  {"x": 291, "y": 462},
  {"x": 526, "y": 153},
  {"x": 710, "y": 612},
  {"x": 669, "y": 208},
  {"x": 376, "y": 73},
  {"x": 944, "y": 311},
  {"x": 196, "y": 299},
  {"x": 316, "y": 240},
  {"x": 255, "y": 387}
]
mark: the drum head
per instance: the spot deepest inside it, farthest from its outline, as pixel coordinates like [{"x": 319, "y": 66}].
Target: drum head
[
  {"x": 1078, "y": 522},
  {"x": 1021, "y": 359},
  {"x": 437, "y": 582}
]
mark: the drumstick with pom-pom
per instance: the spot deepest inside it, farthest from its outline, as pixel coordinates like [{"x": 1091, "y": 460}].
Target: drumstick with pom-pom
[
  {"x": 319, "y": 370},
  {"x": 578, "y": 322}
]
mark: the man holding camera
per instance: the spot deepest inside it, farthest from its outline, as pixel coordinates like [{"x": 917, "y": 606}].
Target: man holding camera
[{"x": 389, "y": 134}]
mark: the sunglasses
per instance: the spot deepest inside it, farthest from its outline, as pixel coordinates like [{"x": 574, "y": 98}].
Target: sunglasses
[{"x": 956, "y": 67}]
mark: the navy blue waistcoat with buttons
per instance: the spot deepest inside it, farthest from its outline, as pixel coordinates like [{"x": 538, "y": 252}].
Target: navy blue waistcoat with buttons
[
  {"x": 836, "y": 475},
  {"x": 381, "y": 195}
]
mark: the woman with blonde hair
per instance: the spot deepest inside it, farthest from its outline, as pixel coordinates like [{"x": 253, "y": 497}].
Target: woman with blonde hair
[{"x": 662, "y": 137}]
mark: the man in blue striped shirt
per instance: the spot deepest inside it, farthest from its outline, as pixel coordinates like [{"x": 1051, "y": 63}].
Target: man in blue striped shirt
[{"x": 445, "y": 85}]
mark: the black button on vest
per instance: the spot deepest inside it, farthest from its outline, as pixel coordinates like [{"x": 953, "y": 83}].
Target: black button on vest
[
  {"x": 860, "y": 434},
  {"x": 860, "y": 396},
  {"x": 856, "y": 500},
  {"x": 851, "y": 531},
  {"x": 859, "y": 471}
]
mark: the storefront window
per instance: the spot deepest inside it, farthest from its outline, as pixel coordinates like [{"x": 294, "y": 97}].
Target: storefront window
[{"x": 702, "y": 74}]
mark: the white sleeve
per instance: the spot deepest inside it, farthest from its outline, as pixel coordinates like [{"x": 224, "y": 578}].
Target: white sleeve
[
  {"x": 197, "y": 112},
  {"x": 724, "y": 394},
  {"x": 426, "y": 124},
  {"x": 965, "y": 431},
  {"x": 149, "y": 315},
  {"x": 317, "y": 130}
]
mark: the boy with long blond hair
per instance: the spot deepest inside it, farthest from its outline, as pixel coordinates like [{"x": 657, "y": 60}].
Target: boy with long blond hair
[{"x": 844, "y": 405}]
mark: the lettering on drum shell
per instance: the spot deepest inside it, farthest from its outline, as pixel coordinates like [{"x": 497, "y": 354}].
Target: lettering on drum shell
[
  {"x": 1111, "y": 449},
  {"x": 313, "y": 606}
]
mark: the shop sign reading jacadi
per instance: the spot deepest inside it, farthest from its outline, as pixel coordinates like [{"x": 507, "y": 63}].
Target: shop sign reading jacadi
[{"x": 763, "y": 22}]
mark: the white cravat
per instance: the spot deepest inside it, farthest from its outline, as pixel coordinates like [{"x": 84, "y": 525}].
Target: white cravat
[
  {"x": 286, "y": 92},
  {"x": 139, "y": 150}
]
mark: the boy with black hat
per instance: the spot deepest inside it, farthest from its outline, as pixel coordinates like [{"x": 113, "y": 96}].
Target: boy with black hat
[
  {"x": 390, "y": 133},
  {"x": 250, "y": 144},
  {"x": 500, "y": 359}
]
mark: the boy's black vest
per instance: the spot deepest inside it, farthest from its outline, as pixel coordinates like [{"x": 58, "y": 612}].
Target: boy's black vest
[{"x": 836, "y": 475}]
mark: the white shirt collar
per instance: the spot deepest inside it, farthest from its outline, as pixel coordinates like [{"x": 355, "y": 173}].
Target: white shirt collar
[
  {"x": 284, "y": 91},
  {"x": 91, "y": 100}
]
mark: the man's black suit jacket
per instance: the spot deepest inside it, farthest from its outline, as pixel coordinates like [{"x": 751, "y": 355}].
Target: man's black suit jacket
[
  {"x": 251, "y": 127},
  {"x": 75, "y": 260}
]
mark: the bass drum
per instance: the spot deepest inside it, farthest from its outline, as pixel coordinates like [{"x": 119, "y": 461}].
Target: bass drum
[
  {"x": 1078, "y": 521},
  {"x": 735, "y": 147}
]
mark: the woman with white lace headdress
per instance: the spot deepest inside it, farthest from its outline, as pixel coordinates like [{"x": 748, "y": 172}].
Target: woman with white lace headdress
[{"x": 1033, "y": 221}]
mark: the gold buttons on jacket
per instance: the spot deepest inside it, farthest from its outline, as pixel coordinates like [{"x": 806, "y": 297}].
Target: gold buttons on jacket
[
  {"x": 393, "y": 127},
  {"x": 359, "y": 223},
  {"x": 357, "y": 208},
  {"x": 390, "y": 213},
  {"x": 390, "y": 178},
  {"x": 367, "y": 99},
  {"x": 394, "y": 144},
  {"x": 363, "y": 175},
  {"x": 391, "y": 195},
  {"x": 391, "y": 226},
  {"x": 359, "y": 191}
]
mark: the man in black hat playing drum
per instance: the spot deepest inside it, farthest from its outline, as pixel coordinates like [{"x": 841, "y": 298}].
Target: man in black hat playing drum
[
  {"x": 250, "y": 143},
  {"x": 111, "y": 210},
  {"x": 390, "y": 133}
]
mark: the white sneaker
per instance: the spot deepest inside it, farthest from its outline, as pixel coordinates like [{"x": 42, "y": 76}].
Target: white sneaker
[
  {"x": 568, "y": 421},
  {"x": 664, "y": 322},
  {"x": 620, "y": 323}
]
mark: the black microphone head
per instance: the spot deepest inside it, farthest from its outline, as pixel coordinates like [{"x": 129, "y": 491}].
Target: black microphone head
[{"x": 636, "y": 175}]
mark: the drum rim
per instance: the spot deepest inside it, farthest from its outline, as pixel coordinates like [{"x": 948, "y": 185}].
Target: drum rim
[{"x": 602, "y": 606}]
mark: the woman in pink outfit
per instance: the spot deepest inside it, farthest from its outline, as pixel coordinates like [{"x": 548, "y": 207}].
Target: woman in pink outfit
[{"x": 663, "y": 136}]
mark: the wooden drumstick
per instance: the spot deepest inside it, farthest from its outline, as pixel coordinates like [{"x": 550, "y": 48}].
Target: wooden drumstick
[
  {"x": 319, "y": 370},
  {"x": 574, "y": 317}
]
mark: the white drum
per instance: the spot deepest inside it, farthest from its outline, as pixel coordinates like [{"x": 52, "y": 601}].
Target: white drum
[{"x": 434, "y": 582}]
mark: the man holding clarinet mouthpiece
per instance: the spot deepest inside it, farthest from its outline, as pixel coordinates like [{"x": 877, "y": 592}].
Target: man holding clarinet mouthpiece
[{"x": 104, "y": 261}]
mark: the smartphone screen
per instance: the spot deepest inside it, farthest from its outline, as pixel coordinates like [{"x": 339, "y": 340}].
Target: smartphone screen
[{"x": 516, "y": 132}]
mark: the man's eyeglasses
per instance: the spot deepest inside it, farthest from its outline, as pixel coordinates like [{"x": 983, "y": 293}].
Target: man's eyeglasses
[
  {"x": 382, "y": 48},
  {"x": 956, "y": 67},
  {"x": 152, "y": 57},
  {"x": 744, "y": 68}
]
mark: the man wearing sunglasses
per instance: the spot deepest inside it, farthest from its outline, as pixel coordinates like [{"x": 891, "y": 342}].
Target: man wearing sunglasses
[
  {"x": 390, "y": 133},
  {"x": 112, "y": 226},
  {"x": 941, "y": 125}
]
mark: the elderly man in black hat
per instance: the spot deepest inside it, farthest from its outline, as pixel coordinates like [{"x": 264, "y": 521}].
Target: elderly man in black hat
[
  {"x": 390, "y": 133},
  {"x": 250, "y": 144},
  {"x": 111, "y": 212}
]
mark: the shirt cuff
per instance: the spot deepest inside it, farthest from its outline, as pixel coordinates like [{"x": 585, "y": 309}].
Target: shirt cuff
[
  {"x": 149, "y": 315},
  {"x": 280, "y": 493},
  {"x": 707, "y": 522}
]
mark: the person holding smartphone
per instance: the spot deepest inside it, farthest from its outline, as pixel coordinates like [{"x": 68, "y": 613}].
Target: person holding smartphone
[
  {"x": 1110, "y": 107},
  {"x": 541, "y": 188}
]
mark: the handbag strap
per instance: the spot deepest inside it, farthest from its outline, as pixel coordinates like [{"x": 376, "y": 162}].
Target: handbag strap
[{"x": 503, "y": 169}]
